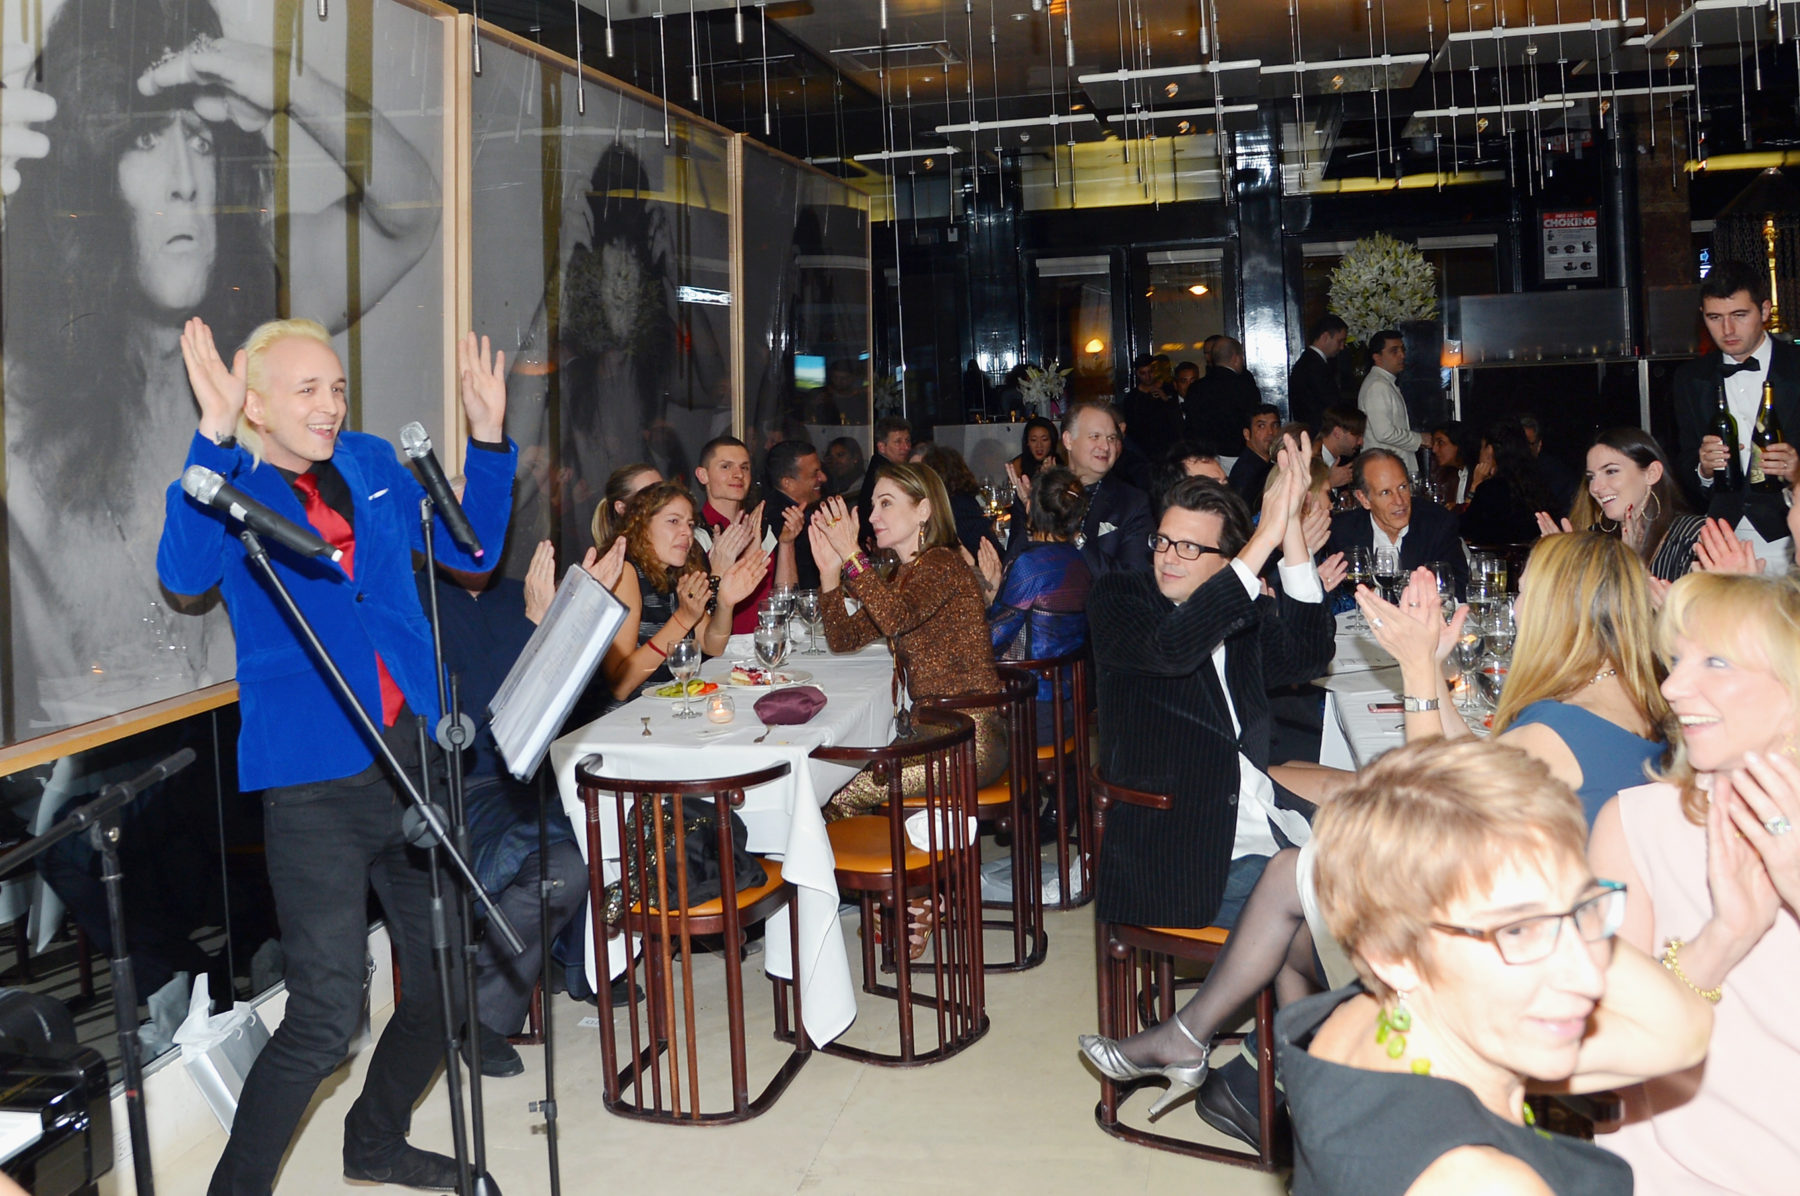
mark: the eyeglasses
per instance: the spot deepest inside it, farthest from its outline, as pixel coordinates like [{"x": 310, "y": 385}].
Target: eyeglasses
[
  {"x": 1530, "y": 940},
  {"x": 1187, "y": 550}
]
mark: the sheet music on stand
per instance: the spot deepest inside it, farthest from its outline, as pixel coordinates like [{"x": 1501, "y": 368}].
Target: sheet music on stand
[{"x": 554, "y": 668}]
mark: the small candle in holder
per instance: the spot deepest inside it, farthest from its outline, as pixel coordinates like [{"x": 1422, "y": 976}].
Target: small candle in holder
[{"x": 721, "y": 707}]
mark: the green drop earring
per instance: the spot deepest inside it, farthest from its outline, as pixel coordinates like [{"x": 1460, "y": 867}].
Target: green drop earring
[{"x": 1391, "y": 1029}]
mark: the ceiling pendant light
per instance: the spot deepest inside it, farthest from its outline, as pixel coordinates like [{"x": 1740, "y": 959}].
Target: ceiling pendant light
[
  {"x": 693, "y": 54},
  {"x": 662, "y": 53},
  {"x": 737, "y": 19},
  {"x": 609, "y": 31},
  {"x": 762, "y": 11},
  {"x": 580, "y": 85}
]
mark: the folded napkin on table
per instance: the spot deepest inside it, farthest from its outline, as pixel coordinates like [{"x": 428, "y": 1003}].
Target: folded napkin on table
[{"x": 790, "y": 707}]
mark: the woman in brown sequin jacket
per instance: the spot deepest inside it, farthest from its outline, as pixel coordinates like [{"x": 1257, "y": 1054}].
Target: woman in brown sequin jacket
[{"x": 931, "y": 611}]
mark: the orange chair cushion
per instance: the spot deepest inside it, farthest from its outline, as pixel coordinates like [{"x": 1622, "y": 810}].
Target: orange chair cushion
[
  {"x": 745, "y": 897},
  {"x": 861, "y": 844},
  {"x": 1215, "y": 935},
  {"x": 1047, "y": 751},
  {"x": 997, "y": 794}
]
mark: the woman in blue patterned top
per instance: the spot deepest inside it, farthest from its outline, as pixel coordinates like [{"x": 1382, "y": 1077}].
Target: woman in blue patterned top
[{"x": 1039, "y": 605}]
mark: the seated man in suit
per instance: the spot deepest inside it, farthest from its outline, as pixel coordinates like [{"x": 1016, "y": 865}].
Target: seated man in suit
[
  {"x": 1251, "y": 469},
  {"x": 1116, "y": 531},
  {"x": 1424, "y": 532},
  {"x": 1185, "y": 655},
  {"x": 1340, "y": 439}
]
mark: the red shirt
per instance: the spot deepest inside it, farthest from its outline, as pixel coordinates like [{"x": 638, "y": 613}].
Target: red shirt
[{"x": 743, "y": 619}]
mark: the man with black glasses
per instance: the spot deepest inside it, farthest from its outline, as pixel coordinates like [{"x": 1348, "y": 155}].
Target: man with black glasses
[{"x": 1185, "y": 655}]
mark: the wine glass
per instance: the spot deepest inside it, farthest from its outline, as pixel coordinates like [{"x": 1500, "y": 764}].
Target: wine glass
[
  {"x": 782, "y": 598},
  {"x": 1359, "y": 570},
  {"x": 1466, "y": 656},
  {"x": 771, "y": 645},
  {"x": 1446, "y": 587},
  {"x": 684, "y": 662},
  {"x": 806, "y": 605},
  {"x": 1388, "y": 572}
]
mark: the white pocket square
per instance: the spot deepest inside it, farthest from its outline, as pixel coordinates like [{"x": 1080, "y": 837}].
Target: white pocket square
[{"x": 1106, "y": 528}]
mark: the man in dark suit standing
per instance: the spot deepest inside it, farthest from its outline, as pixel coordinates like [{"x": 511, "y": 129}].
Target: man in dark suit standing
[
  {"x": 1734, "y": 299},
  {"x": 1312, "y": 383},
  {"x": 1185, "y": 655},
  {"x": 1425, "y": 533},
  {"x": 1152, "y": 413},
  {"x": 1218, "y": 406}
]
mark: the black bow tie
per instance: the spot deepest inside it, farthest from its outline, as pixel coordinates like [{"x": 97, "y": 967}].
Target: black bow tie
[{"x": 1728, "y": 368}]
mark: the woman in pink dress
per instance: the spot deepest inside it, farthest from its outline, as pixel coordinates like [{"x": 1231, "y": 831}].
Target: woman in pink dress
[{"x": 1713, "y": 869}]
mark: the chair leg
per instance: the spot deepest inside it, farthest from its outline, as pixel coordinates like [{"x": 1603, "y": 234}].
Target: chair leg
[
  {"x": 84, "y": 964},
  {"x": 22, "y": 946}
]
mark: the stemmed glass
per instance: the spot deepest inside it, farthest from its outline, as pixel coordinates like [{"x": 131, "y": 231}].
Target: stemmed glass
[
  {"x": 1388, "y": 572},
  {"x": 1359, "y": 571},
  {"x": 781, "y": 600},
  {"x": 1446, "y": 587},
  {"x": 771, "y": 640},
  {"x": 806, "y": 605},
  {"x": 684, "y": 662},
  {"x": 1470, "y": 647}
]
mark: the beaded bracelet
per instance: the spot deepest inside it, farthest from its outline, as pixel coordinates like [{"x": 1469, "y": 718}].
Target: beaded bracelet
[
  {"x": 857, "y": 565},
  {"x": 1710, "y": 995}
]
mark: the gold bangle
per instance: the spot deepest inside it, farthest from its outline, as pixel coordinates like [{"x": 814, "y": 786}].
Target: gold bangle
[{"x": 1710, "y": 995}]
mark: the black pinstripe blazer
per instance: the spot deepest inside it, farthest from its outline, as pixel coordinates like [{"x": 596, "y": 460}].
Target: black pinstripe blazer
[{"x": 1165, "y": 728}]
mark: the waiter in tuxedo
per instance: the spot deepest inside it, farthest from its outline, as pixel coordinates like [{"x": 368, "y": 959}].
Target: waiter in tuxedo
[
  {"x": 1424, "y": 533},
  {"x": 1312, "y": 382},
  {"x": 1734, "y": 300}
]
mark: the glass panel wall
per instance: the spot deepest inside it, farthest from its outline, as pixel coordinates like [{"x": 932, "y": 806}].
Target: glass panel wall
[{"x": 1072, "y": 304}]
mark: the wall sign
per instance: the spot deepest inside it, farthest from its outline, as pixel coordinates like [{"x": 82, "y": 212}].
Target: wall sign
[{"x": 1571, "y": 245}]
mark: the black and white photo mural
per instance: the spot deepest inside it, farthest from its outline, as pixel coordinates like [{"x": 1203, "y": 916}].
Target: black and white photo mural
[{"x": 236, "y": 160}]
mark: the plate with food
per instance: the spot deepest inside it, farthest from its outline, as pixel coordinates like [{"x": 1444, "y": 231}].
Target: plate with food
[
  {"x": 696, "y": 688},
  {"x": 747, "y": 674}
]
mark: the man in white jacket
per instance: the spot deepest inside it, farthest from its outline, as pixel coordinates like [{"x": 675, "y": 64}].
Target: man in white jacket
[{"x": 1380, "y": 399}]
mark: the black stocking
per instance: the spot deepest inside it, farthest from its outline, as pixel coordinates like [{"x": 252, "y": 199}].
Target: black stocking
[{"x": 1270, "y": 944}]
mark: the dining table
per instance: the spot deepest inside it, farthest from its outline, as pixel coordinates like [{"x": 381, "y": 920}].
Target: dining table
[
  {"x": 642, "y": 739},
  {"x": 1362, "y": 675}
]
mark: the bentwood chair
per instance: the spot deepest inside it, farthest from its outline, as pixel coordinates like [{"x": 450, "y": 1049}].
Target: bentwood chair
[
  {"x": 1136, "y": 968},
  {"x": 883, "y": 867},
  {"x": 1010, "y": 806},
  {"x": 1063, "y": 768},
  {"x": 660, "y": 1078}
]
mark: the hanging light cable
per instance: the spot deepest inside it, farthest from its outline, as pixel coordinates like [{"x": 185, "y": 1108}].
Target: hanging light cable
[
  {"x": 762, "y": 14},
  {"x": 662, "y": 53}
]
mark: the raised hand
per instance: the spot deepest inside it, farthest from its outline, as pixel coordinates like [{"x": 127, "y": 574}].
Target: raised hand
[
  {"x": 793, "y": 522},
  {"x": 1766, "y": 793},
  {"x": 824, "y": 555},
  {"x": 991, "y": 568},
  {"x": 23, "y": 108},
  {"x": 482, "y": 382},
  {"x": 692, "y": 592},
  {"x": 540, "y": 582},
  {"x": 1718, "y": 550},
  {"x": 1744, "y": 898},
  {"x": 609, "y": 568},
  {"x": 1659, "y": 589},
  {"x": 841, "y": 526},
  {"x": 218, "y": 389},
  {"x": 740, "y": 581},
  {"x": 1332, "y": 571},
  {"x": 236, "y": 80},
  {"x": 1550, "y": 527},
  {"x": 1020, "y": 484},
  {"x": 1315, "y": 523},
  {"x": 729, "y": 544}
]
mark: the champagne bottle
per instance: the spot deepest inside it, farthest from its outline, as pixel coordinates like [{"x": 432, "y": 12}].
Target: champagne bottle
[
  {"x": 1730, "y": 480},
  {"x": 1766, "y": 432}
]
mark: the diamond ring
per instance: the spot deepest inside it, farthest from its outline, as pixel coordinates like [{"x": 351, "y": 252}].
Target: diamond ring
[
  {"x": 1778, "y": 825},
  {"x": 1377, "y": 622}
]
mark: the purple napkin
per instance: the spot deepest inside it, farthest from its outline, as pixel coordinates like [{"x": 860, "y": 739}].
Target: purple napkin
[{"x": 790, "y": 707}]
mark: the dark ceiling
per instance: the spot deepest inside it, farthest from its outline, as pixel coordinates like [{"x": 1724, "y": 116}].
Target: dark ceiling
[{"x": 1010, "y": 60}]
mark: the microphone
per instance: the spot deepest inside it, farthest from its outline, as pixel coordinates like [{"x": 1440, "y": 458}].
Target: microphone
[
  {"x": 417, "y": 446},
  {"x": 210, "y": 488}
]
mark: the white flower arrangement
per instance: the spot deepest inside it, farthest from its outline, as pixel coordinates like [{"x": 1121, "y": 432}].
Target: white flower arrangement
[
  {"x": 1380, "y": 283},
  {"x": 1042, "y": 390}
]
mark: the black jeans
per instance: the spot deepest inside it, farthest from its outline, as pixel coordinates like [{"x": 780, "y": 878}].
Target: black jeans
[{"x": 327, "y": 842}]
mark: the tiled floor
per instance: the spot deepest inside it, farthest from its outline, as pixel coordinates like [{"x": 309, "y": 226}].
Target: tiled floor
[{"x": 1014, "y": 1113}]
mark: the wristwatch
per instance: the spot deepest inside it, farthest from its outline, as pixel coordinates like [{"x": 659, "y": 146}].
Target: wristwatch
[{"x": 1412, "y": 705}]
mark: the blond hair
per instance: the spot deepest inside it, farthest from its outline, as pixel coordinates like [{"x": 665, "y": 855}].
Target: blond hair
[
  {"x": 256, "y": 346},
  {"x": 1750, "y": 620},
  {"x": 1584, "y": 607},
  {"x": 1424, "y": 825}
]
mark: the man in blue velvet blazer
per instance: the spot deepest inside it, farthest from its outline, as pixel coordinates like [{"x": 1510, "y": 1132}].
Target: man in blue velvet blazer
[{"x": 272, "y": 424}]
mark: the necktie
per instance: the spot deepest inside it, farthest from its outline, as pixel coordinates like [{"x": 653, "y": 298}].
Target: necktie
[
  {"x": 339, "y": 534},
  {"x": 1728, "y": 368}
]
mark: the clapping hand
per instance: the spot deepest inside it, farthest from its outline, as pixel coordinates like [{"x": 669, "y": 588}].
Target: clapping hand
[
  {"x": 609, "y": 568},
  {"x": 540, "y": 581},
  {"x": 218, "y": 389},
  {"x": 1315, "y": 523},
  {"x": 1415, "y": 629},
  {"x": 1720, "y": 551},
  {"x": 740, "y": 581},
  {"x": 1332, "y": 571},
  {"x": 1021, "y": 485},
  {"x": 729, "y": 543},
  {"x": 841, "y": 525},
  {"x": 692, "y": 593},
  {"x": 1744, "y": 898},
  {"x": 1764, "y": 804},
  {"x": 793, "y": 522},
  {"x": 1550, "y": 527}
]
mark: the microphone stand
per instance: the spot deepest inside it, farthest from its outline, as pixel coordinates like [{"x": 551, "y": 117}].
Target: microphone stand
[
  {"x": 434, "y": 823},
  {"x": 100, "y": 819},
  {"x": 454, "y": 733}
]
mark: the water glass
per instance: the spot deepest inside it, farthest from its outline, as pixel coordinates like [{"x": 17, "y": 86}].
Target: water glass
[
  {"x": 782, "y": 599},
  {"x": 806, "y": 605},
  {"x": 771, "y": 645},
  {"x": 684, "y": 662}
]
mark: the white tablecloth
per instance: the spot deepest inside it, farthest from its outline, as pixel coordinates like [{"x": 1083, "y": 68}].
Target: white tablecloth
[
  {"x": 1361, "y": 674},
  {"x": 783, "y": 817}
]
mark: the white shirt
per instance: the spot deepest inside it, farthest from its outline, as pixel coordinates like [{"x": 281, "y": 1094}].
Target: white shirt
[
  {"x": 1380, "y": 400},
  {"x": 1256, "y": 792},
  {"x": 1378, "y": 536}
]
